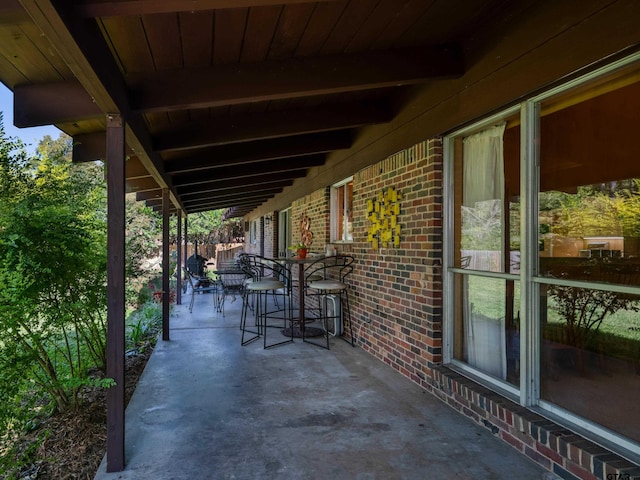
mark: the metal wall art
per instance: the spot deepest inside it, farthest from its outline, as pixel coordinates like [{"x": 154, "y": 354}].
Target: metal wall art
[{"x": 382, "y": 212}]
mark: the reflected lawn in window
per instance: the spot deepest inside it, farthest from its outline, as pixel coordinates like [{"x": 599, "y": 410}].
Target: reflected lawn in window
[{"x": 590, "y": 362}]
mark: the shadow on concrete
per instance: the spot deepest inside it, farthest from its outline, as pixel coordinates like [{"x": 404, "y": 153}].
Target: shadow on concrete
[{"x": 207, "y": 408}]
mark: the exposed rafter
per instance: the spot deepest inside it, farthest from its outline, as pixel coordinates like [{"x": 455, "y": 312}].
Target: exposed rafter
[
  {"x": 248, "y": 183},
  {"x": 92, "y": 9},
  {"x": 52, "y": 103},
  {"x": 259, "y": 151},
  {"x": 262, "y": 126},
  {"x": 298, "y": 77},
  {"x": 282, "y": 166}
]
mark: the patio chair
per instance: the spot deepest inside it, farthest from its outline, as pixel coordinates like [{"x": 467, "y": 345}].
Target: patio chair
[
  {"x": 232, "y": 283},
  {"x": 332, "y": 286},
  {"x": 198, "y": 286},
  {"x": 269, "y": 280}
]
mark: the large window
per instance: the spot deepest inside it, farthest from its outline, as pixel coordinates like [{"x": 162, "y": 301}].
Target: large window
[
  {"x": 589, "y": 250},
  {"x": 543, "y": 252},
  {"x": 341, "y": 211}
]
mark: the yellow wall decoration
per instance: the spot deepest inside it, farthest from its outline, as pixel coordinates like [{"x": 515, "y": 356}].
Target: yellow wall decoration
[{"x": 382, "y": 212}]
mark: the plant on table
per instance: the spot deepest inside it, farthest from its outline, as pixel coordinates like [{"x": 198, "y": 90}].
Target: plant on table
[{"x": 300, "y": 248}]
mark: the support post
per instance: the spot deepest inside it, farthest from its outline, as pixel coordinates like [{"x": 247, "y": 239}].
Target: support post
[
  {"x": 186, "y": 249},
  {"x": 179, "y": 259},
  {"x": 115, "y": 165},
  {"x": 166, "y": 274}
]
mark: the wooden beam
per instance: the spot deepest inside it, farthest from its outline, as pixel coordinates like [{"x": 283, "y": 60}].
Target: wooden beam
[
  {"x": 166, "y": 273},
  {"x": 274, "y": 181},
  {"x": 35, "y": 105},
  {"x": 245, "y": 195},
  {"x": 141, "y": 185},
  {"x": 179, "y": 278},
  {"x": 12, "y": 13},
  {"x": 88, "y": 147},
  {"x": 92, "y": 9},
  {"x": 226, "y": 204},
  {"x": 268, "y": 178},
  {"x": 274, "y": 166},
  {"x": 232, "y": 192},
  {"x": 268, "y": 125},
  {"x": 172, "y": 210},
  {"x": 134, "y": 169},
  {"x": 223, "y": 206},
  {"x": 262, "y": 150},
  {"x": 186, "y": 229},
  {"x": 153, "y": 202},
  {"x": 148, "y": 195},
  {"x": 236, "y": 211},
  {"x": 115, "y": 291},
  {"x": 294, "y": 78}
]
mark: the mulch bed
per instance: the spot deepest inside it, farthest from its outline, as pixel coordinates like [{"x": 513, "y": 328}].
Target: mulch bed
[{"x": 77, "y": 440}]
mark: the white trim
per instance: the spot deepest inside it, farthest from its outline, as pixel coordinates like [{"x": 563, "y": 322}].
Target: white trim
[
  {"x": 496, "y": 384},
  {"x": 529, "y": 291},
  {"x": 448, "y": 210},
  {"x": 333, "y": 220},
  {"x": 625, "y": 62}
]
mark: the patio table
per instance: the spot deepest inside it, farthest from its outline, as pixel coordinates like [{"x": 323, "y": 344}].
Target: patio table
[{"x": 299, "y": 328}]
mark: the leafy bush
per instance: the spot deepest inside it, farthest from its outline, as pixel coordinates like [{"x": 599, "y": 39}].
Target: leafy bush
[
  {"x": 53, "y": 271},
  {"x": 143, "y": 325}
]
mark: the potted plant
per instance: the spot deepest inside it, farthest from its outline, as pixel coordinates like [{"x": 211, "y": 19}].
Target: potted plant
[{"x": 301, "y": 249}]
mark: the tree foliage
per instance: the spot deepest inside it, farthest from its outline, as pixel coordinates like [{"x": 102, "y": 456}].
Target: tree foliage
[
  {"x": 52, "y": 272},
  {"x": 603, "y": 210},
  {"x": 210, "y": 228}
]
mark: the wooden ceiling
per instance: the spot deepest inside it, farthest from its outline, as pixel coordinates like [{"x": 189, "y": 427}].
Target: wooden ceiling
[{"x": 227, "y": 102}]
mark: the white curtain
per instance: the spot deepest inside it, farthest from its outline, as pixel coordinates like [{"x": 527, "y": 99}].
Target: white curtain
[
  {"x": 483, "y": 177},
  {"x": 483, "y": 162}
]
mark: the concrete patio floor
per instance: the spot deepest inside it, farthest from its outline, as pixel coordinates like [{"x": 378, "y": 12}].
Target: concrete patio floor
[{"x": 207, "y": 408}]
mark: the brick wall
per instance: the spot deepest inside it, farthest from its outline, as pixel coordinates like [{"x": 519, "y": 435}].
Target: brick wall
[
  {"x": 397, "y": 307},
  {"x": 316, "y": 206}
]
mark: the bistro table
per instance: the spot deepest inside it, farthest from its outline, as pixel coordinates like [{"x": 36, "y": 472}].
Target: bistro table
[{"x": 299, "y": 329}]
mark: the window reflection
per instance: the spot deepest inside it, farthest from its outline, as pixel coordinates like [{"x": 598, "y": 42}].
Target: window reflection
[
  {"x": 590, "y": 362},
  {"x": 592, "y": 234},
  {"x": 589, "y": 233},
  {"x": 487, "y": 326}
]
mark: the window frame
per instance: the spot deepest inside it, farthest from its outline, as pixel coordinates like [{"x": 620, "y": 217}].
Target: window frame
[
  {"x": 253, "y": 232},
  {"x": 335, "y": 217}
]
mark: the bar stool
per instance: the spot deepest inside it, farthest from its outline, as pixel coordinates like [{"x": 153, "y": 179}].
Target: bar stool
[
  {"x": 334, "y": 272},
  {"x": 267, "y": 283}
]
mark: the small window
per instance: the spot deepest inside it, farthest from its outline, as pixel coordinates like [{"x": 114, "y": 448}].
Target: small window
[
  {"x": 253, "y": 232},
  {"x": 341, "y": 211}
]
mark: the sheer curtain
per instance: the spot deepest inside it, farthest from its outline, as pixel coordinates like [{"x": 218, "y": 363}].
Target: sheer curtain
[
  {"x": 483, "y": 185},
  {"x": 483, "y": 166}
]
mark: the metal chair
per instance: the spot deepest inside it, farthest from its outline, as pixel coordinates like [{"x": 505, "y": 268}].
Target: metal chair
[
  {"x": 232, "y": 282},
  {"x": 194, "y": 284},
  {"x": 269, "y": 280},
  {"x": 333, "y": 272}
]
